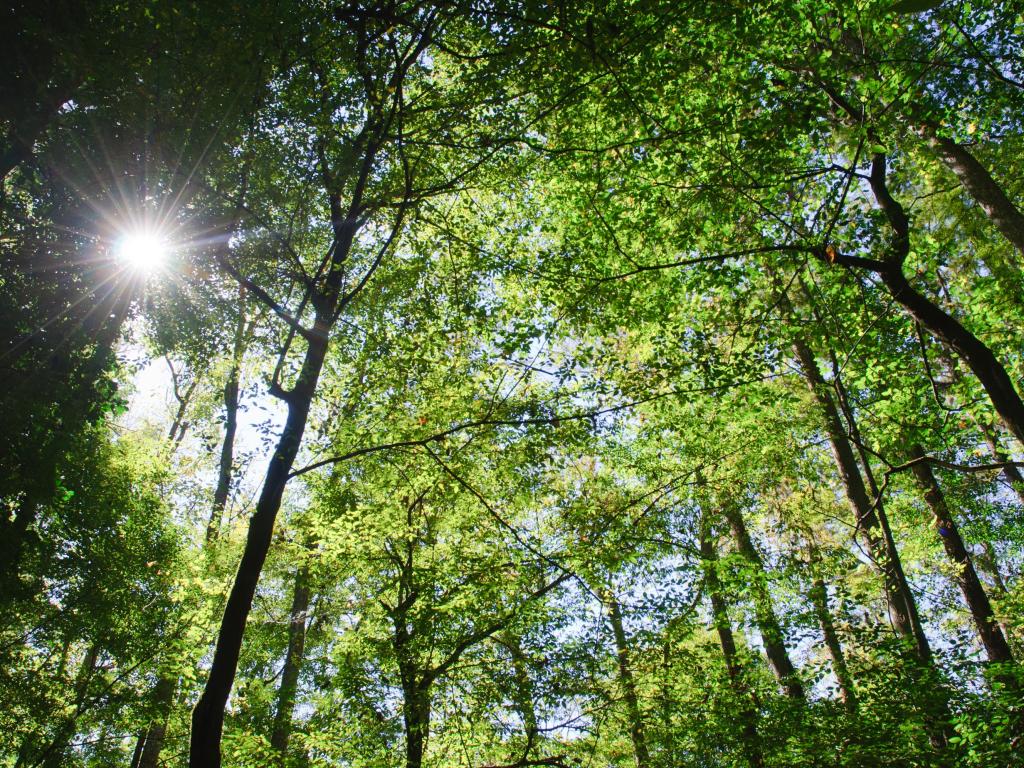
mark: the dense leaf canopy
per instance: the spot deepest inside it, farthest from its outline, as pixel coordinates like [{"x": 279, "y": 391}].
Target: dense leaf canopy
[{"x": 499, "y": 384}]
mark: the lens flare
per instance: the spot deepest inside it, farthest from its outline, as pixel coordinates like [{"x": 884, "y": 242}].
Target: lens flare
[{"x": 142, "y": 252}]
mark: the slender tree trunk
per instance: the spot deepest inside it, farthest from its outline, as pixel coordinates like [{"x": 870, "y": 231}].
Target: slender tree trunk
[
  {"x": 176, "y": 433},
  {"x": 292, "y": 662},
  {"x": 1011, "y": 474},
  {"x": 140, "y": 744},
  {"x": 772, "y": 636},
  {"x": 208, "y": 716},
  {"x": 636, "y": 725},
  {"x": 989, "y": 563},
  {"x": 882, "y": 546},
  {"x": 979, "y": 183},
  {"x": 749, "y": 738},
  {"x": 902, "y": 607},
  {"x": 163, "y": 699},
  {"x": 996, "y": 647},
  {"x": 524, "y": 696},
  {"x": 987, "y": 560},
  {"x": 819, "y": 599},
  {"x": 227, "y": 449}
]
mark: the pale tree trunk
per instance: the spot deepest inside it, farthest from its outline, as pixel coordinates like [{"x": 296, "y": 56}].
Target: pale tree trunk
[{"x": 772, "y": 636}]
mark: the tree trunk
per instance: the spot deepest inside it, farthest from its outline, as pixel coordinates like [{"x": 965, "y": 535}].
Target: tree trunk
[
  {"x": 292, "y": 661},
  {"x": 416, "y": 714},
  {"x": 636, "y": 726},
  {"x": 208, "y": 716},
  {"x": 772, "y": 636},
  {"x": 227, "y": 449},
  {"x": 981, "y": 360},
  {"x": 979, "y": 183},
  {"x": 819, "y": 599},
  {"x": 996, "y": 647},
  {"x": 176, "y": 433},
  {"x": 749, "y": 738},
  {"x": 902, "y": 607},
  {"x": 22, "y": 137},
  {"x": 1011, "y": 474},
  {"x": 524, "y": 697},
  {"x": 163, "y": 699},
  {"x": 140, "y": 744}
]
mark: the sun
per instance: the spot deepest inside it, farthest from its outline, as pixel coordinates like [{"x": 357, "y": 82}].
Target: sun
[{"x": 143, "y": 252}]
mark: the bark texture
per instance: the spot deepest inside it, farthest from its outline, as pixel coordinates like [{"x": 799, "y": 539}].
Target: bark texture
[{"x": 980, "y": 184}]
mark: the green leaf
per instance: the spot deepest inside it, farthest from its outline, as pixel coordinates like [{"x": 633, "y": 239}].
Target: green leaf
[{"x": 915, "y": 6}]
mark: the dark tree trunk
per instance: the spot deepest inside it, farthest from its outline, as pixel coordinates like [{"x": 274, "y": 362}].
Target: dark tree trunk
[
  {"x": 292, "y": 662},
  {"x": 767, "y": 622},
  {"x": 636, "y": 724},
  {"x": 981, "y": 360},
  {"x": 882, "y": 547},
  {"x": 943, "y": 326},
  {"x": 22, "y": 137},
  {"x": 979, "y": 183},
  {"x": 227, "y": 449},
  {"x": 208, "y": 716},
  {"x": 176, "y": 433},
  {"x": 996, "y": 647},
  {"x": 902, "y": 607},
  {"x": 416, "y": 715},
  {"x": 140, "y": 744},
  {"x": 749, "y": 737}
]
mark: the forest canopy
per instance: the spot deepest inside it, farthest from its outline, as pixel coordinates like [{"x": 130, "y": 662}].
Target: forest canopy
[{"x": 501, "y": 384}]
